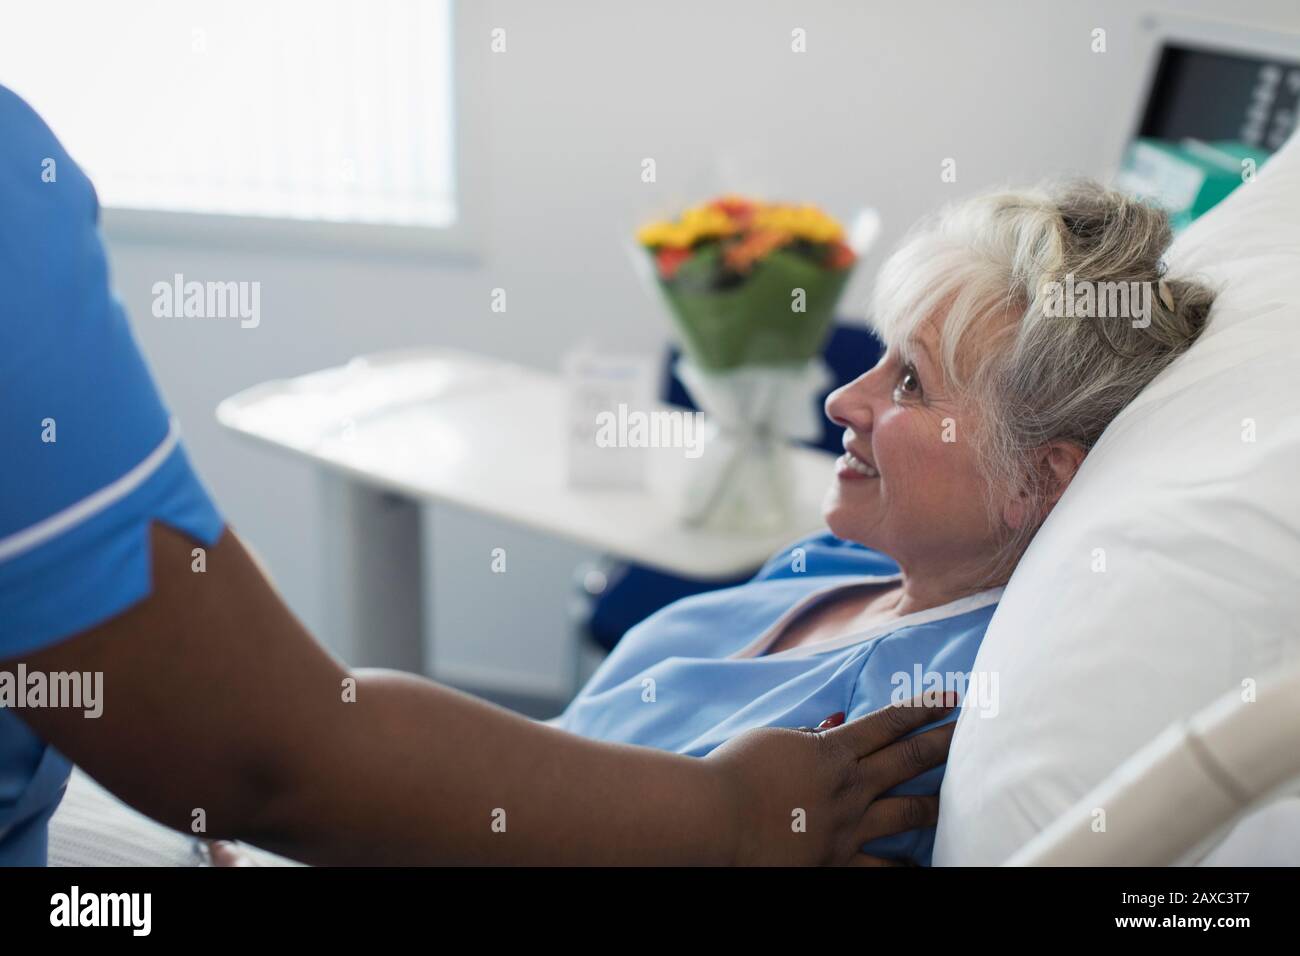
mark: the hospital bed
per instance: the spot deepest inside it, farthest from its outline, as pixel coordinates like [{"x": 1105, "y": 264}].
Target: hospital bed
[
  {"x": 93, "y": 828},
  {"x": 1233, "y": 774}
]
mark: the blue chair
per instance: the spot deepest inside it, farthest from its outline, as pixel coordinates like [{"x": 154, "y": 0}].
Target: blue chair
[{"x": 632, "y": 592}]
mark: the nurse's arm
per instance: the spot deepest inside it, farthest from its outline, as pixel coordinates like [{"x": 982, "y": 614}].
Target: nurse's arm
[{"x": 217, "y": 705}]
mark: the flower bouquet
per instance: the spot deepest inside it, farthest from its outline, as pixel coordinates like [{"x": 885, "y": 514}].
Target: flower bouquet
[{"x": 752, "y": 287}]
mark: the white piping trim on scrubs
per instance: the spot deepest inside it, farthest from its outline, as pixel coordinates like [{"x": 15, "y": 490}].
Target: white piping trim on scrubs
[
  {"x": 92, "y": 504},
  {"x": 965, "y": 605}
]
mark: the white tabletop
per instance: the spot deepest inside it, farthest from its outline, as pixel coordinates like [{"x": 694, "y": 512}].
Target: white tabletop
[{"x": 440, "y": 425}]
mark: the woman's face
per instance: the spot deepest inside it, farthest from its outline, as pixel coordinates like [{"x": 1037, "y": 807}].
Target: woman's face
[{"x": 922, "y": 500}]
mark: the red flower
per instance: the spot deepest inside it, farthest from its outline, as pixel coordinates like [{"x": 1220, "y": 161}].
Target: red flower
[
  {"x": 670, "y": 260},
  {"x": 738, "y": 208}
]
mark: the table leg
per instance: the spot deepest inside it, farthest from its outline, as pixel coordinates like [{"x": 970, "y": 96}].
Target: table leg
[{"x": 374, "y": 576}]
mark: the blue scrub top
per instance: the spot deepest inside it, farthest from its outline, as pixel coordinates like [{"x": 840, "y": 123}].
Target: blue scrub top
[
  {"x": 696, "y": 674},
  {"x": 89, "y": 455}
]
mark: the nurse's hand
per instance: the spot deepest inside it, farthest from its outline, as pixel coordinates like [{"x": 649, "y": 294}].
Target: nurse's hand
[{"x": 802, "y": 798}]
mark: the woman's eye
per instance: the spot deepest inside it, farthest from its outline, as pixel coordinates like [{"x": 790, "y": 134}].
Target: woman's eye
[{"x": 909, "y": 383}]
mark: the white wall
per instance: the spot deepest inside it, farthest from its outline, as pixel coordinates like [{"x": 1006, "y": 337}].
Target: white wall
[{"x": 586, "y": 90}]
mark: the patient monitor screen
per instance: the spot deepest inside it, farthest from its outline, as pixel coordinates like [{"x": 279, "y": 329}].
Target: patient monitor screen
[{"x": 1214, "y": 96}]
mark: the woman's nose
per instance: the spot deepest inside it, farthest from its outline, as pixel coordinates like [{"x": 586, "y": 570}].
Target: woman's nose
[{"x": 849, "y": 406}]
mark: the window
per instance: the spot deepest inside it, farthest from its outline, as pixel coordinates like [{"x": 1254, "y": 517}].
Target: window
[{"x": 337, "y": 111}]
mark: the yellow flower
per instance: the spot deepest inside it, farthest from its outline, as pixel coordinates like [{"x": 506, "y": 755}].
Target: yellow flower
[
  {"x": 658, "y": 234},
  {"x": 733, "y": 214},
  {"x": 699, "y": 222},
  {"x": 804, "y": 222},
  {"x": 707, "y": 222}
]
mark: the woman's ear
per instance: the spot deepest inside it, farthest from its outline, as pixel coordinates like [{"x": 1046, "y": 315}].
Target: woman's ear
[
  {"x": 1058, "y": 462},
  {"x": 1055, "y": 464}
]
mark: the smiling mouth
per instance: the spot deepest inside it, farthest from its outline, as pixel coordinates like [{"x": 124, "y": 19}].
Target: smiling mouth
[{"x": 852, "y": 462}]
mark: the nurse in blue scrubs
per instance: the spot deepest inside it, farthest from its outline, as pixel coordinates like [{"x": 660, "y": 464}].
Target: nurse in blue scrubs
[{"x": 217, "y": 705}]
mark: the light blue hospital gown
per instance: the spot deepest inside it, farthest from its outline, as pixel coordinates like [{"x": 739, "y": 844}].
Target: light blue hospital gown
[
  {"x": 693, "y": 675},
  {"x": 89, "y": 456}
]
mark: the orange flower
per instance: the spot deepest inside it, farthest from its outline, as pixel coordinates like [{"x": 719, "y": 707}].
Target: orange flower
[
  {"x": 741, "y": 256},
  {"x": 841, "y": 256}
]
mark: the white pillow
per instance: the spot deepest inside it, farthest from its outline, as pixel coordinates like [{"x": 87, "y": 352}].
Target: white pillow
[{"x": 1199, "y": 529}]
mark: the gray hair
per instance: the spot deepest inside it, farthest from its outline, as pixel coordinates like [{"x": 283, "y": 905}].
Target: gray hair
[{"x": 995, "y": 265}]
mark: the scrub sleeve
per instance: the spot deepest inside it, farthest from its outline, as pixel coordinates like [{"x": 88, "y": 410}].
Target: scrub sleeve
[{"x": 89, "y": 455}]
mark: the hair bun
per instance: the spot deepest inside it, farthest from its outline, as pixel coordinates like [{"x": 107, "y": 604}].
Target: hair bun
[{"x": 1184, "y": 312}]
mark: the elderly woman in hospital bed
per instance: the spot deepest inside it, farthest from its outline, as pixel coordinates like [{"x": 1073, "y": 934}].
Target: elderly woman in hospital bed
[{"x": 957, "y": 445}]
